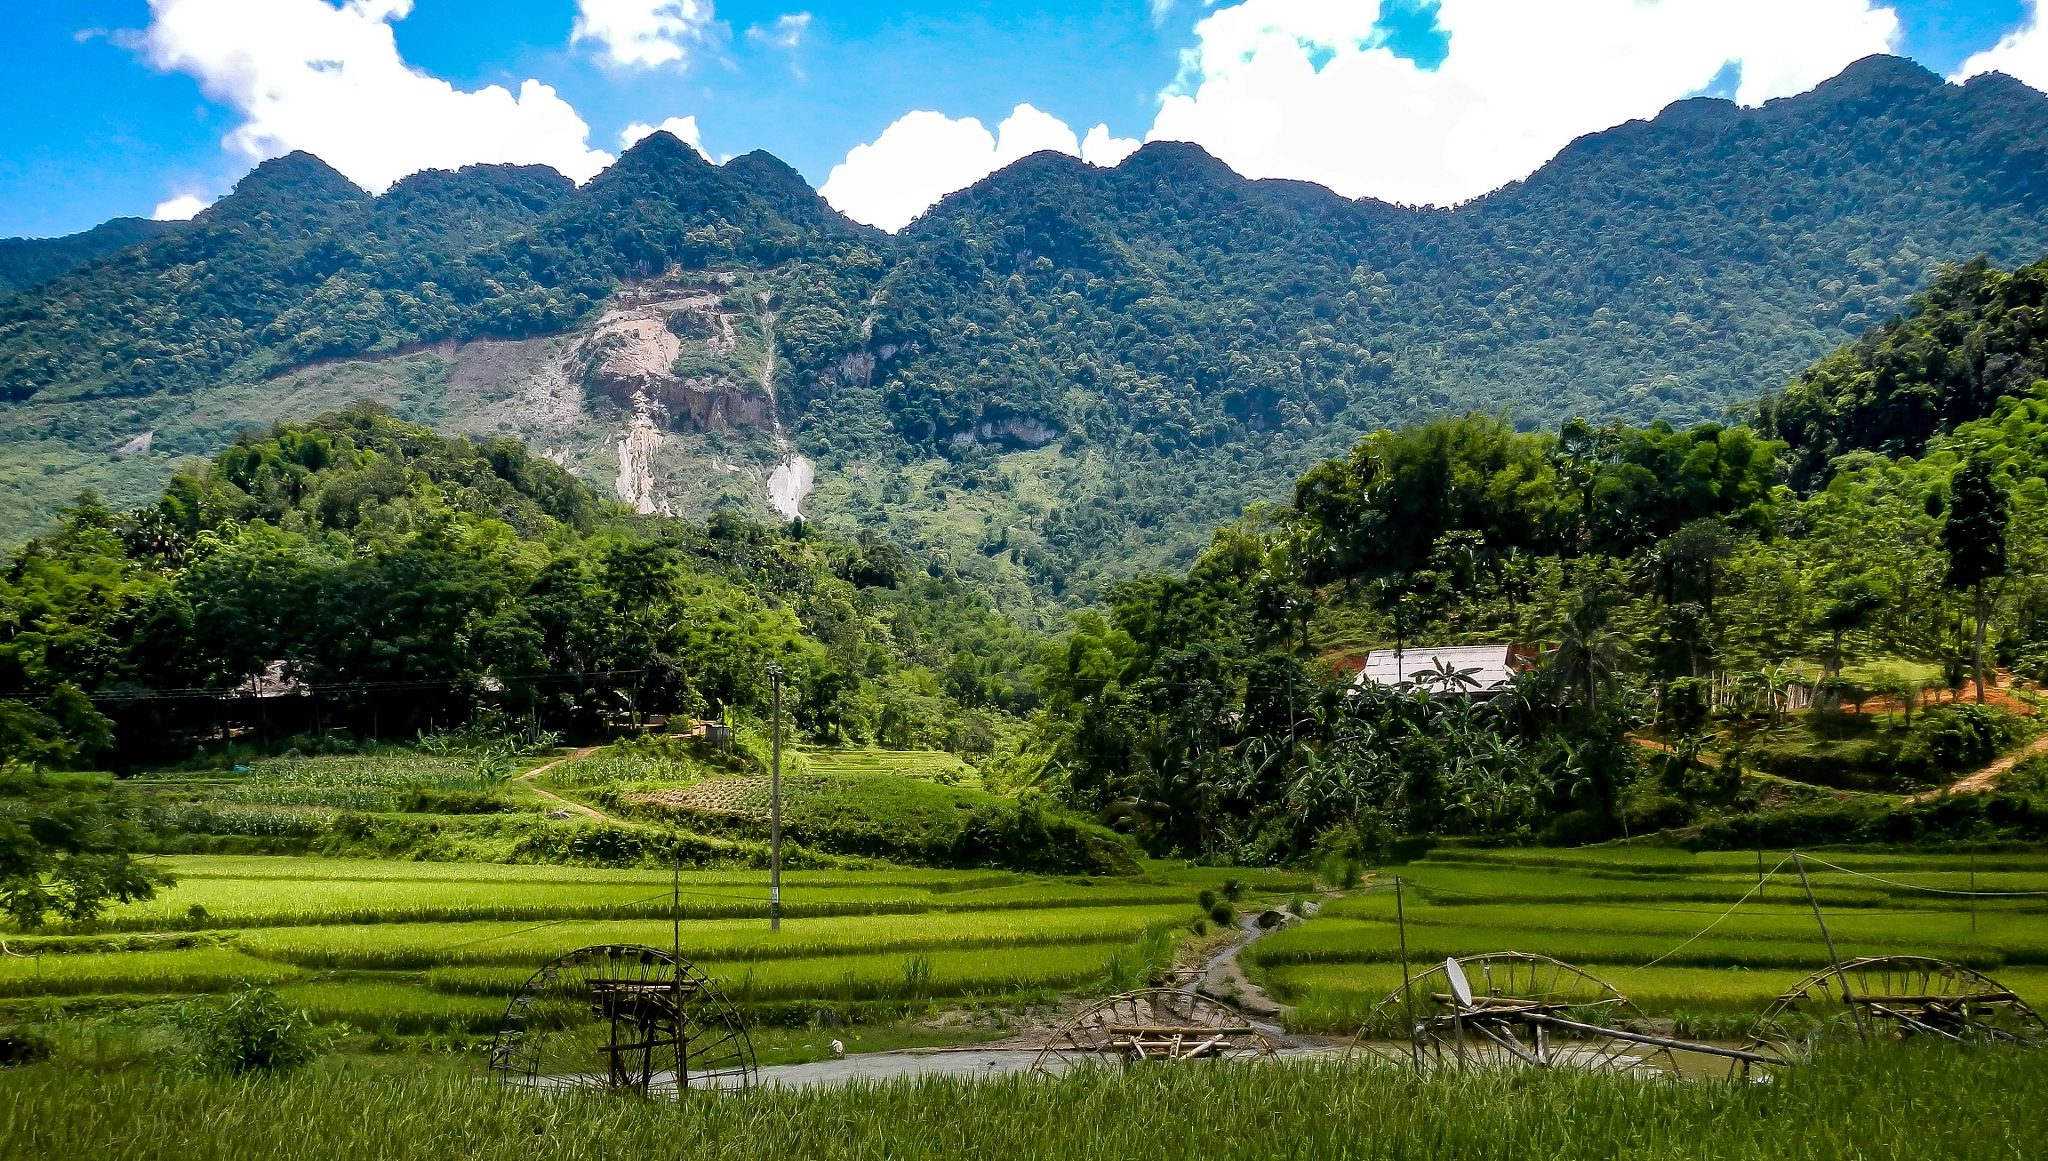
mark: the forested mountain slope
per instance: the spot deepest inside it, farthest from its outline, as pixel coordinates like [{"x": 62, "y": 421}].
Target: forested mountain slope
[
  {"x": 1054, "y": 377},
  {"x": 27, "y": 261}
]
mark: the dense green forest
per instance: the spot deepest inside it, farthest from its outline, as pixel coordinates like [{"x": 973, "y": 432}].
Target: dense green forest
[
  {"x": 1181, "y": 339},
  {"x": 411, "y": 580},
  {"x": 24, "y": 262}
]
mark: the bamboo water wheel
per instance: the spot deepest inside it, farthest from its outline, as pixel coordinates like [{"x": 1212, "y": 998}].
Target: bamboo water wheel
[
  {"x": 1896, "y": 997},
  {"x": 1154, "y": 1024},
  {"x": 1511, "y": 1009},
  {"x": 623, "y": 1018}
]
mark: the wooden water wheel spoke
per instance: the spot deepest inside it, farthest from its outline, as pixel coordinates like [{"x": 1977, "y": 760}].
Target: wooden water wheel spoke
[
  {"x": 1523, "y": 1010},
  {"x": 1896, "y": 997},
  {"x": 622, "y": 1017}
]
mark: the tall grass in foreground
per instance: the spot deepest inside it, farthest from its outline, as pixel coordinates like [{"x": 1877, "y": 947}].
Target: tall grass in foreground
[{"x": 1909, "y": 1105}]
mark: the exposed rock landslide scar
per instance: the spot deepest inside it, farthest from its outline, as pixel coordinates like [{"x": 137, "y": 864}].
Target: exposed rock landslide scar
[
  {"x": 788, "y": 484},
  {"x": 635, "y": 484}
]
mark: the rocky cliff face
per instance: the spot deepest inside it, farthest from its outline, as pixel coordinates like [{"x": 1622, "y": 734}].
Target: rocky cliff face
[{"x": 667, "y": 355}]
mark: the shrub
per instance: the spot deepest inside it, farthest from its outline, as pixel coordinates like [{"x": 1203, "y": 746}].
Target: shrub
[
  {"x": 1959, "y": 737},
  {"x": 248, "y": 1030},
  {"x": 1222, "y": 914}
]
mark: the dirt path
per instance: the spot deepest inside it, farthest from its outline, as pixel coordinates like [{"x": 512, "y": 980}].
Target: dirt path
[
  {"x": 577, "y": 807},
  {"x": 1703, "y": 757},
  {"x": 1984, "y": 779}
]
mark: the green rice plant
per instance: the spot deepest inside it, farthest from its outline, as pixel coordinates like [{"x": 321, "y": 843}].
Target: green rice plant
[
  {"x": 396, "y": 1008},
  {"x": 188, "y": 867},
  {"x": 268, "y": 901},
  {"x": 917, "y": 977},
  {"x": 1971, "y": 1106},
  {"x": 418, "y": 947},
  {"x": 197, "y": 969}
]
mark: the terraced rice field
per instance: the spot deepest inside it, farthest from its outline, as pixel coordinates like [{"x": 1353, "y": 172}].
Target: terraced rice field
[
  {"x": 431, "y": 947},
  {"x": 1682, "y": 935}
]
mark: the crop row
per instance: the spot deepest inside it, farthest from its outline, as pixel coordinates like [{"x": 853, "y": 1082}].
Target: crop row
[
  {"x": 195, "y": 969},
  {"x": 415, "y": 947},
  {"x": 190, "y": 867},
  {"x": 240, "y": 903},
  {"x": 1450, "y": 884},
  {"x": 1675, "y": 861},
  {"x": 1344, "y": 940}
]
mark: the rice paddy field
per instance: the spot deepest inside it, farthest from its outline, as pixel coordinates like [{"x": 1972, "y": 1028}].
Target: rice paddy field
[
  {"x": 414, "y": 948},
  {"x": 1708, "y": 940}
]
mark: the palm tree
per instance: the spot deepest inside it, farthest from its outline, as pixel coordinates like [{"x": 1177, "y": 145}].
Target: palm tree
[
  {"x": 1589, "y": 655},
  {"x": 1447, "y": 678}
]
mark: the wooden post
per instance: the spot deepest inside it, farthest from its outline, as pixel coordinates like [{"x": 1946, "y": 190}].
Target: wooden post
[
  {"x": 1841, "y": 977},
  {"x": 1407, "y": 990},
  {"x": 775, "y": 809}
]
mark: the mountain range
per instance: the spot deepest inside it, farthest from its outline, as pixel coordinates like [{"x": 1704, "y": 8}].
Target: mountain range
[{"x": 1054, "y": 377}]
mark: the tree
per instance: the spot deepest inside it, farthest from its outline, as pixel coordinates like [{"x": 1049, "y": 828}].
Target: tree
[
  {"x": 1974, "y": 536},
  {"x": 67, "y": 846},
  {"x": 1856, "y": 601}
]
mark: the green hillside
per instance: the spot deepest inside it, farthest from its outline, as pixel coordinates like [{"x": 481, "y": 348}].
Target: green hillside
[{"x": 1060, "y": 375}]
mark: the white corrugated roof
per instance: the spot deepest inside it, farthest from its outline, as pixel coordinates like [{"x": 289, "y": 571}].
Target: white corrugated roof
[{"x": 1492, "y": 666}]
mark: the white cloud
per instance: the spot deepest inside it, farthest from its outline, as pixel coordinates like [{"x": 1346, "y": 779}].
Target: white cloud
[
  {"x": 1303, "y": 88},
  {"x": 787, "y": 31},
  {"x": 924, "y": 156},
  {"x": 308, "y": 75},
  {"x": 1099, "y": 148},
  {"x": 182, "y": 208},
  {"x": 2021, "y": 54},
  {"x": 684, "y": 129},
  {"x": 641, "y": 32}
]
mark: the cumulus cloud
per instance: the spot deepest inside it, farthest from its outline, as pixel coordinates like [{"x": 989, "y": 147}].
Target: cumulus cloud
[
  {"x": 924, "y": 156},
  {"x": 2021, "y": 54},
  {"x": 182, "y": 208},
  {"x": 641, "y": 33},
  {"x": 786, "y": 32},
  {"x": 308, "y": 75},
  {"x": 684, "y": 129},
  {"x": 1310, "y": 89},
  {"x": 1099, "y": 148}
]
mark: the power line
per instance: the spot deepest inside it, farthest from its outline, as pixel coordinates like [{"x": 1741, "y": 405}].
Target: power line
[
  {"x": 1930, "y": 890},
  {"x": 1709, "y": 927}
]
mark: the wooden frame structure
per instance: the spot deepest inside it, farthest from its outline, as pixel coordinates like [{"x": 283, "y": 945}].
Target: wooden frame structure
[
  {"x": 1513, "y": 1009},
  {"x": 623, "y": 1018},
  {"x": 1168, "y": 1025},
  {"x": 1896, "y": 997}
]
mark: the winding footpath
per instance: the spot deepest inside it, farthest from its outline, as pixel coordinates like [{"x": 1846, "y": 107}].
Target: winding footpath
[
  {"x": 577, "y": 807},
  {"x": 1987, "y": 778}
]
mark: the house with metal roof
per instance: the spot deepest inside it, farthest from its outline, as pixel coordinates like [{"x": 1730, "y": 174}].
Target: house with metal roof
[{"x": 1485, "y": 669}]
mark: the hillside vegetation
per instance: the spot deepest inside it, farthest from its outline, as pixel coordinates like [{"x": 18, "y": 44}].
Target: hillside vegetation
[
  {"x": 1172, "y": 339},
  {"x": 1682, "y": 593}
]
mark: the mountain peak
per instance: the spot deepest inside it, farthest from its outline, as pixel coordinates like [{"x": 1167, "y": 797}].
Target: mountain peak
[
  {"x": 772, "y": 180},
  {"x": 297, "y": 191},
  {"x": 659, "y": 149}
]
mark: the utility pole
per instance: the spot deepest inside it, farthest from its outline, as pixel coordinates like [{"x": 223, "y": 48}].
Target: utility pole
[
  {"x": 1841, "y": 977},
  {"x": 775, "y": 808},
  {"x": 1407, "y": 992}
]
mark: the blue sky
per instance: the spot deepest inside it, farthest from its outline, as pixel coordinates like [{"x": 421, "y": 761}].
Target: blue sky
[{"x": 113, "y": 108}]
